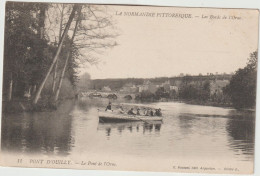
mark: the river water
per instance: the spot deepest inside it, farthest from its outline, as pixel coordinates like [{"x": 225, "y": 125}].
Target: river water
[{"x": 187, "y": 132}]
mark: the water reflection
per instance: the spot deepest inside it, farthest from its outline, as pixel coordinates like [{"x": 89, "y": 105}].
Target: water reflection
[
  {"x": 242, "y": 132},
  {"x": 157, "y": 127},
  {"x": 186, "y": 123},
  {"x": 187, "y": 131},
  {"x": 43, "y": 132},
  {"x": 132, "y": 127}
]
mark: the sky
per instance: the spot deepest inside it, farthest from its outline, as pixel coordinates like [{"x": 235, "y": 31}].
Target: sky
[{"x": 167, "y": 46}]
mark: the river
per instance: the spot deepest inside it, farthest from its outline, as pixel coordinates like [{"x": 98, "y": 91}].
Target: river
[{"x": 187, "y": 132}]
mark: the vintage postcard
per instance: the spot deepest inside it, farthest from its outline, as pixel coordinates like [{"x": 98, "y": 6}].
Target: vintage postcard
[{"x": 130, "y": 88}]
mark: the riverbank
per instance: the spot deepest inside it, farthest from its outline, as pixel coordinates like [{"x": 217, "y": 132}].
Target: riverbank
[
  {"x": 46, "y": 104},
  {"x": 207, "y": 103},
  {"x": 216, "y": 104},
  {"x": 193, "y": 102},
  {"x": 26, "y": 105},
  {"x": 202, "y": 103}
]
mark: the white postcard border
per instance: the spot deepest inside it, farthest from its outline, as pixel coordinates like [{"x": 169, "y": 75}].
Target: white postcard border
[{"x": 255, "y": 4}]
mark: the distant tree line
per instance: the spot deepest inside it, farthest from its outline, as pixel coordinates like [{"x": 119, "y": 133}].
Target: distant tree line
[
  {"x": 239, "y": 93},
  {"x": 117, "y": 84}
]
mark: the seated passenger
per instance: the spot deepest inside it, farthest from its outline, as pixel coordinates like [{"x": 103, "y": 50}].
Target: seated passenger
[
  {"x": 109, "y": 107},
  {"x": 147, "y": 112},
  {"x": 131, "y": 112},
  {"x": 121, "y": 110},
  {"x": 158, "y": 112},
  {"x": 151, "y": 113},
  {"x": 138, "y": 111}
]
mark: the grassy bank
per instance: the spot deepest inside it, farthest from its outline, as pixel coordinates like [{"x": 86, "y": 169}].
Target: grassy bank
[
  {"x": 22, "y": 105},
  {"x": 27, "y": 106}
]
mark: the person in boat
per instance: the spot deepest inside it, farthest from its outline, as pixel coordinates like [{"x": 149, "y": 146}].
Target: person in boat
[
  {"x": 138, "y": 111},
  {"x": 131, "y": 112},
  {"x": 158, "y": 112},
  {"x": 151, "y": 112},
  {"x": 147, "y": 112},
  {"x": 109, "y": 107},
  {"x": 121, "y": 110}
]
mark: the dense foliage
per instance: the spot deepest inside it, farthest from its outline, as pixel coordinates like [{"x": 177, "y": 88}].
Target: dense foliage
[
  {"x": 27, "y": 53},
  {"x": 39, "y": 42},
  {"x": 242, "y": 87}
]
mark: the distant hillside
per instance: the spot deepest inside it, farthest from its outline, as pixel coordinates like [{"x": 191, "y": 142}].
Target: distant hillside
[{"x": 116, "y": 84}]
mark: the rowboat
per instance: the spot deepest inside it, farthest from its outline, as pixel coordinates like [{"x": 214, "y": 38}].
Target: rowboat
[{"x": 107, "y": 116}]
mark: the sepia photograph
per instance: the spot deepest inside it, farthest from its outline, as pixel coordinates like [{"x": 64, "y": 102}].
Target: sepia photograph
[{"x": 129, "y": 88}]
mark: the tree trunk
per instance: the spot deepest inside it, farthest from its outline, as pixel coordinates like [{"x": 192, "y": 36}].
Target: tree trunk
[
  {"x": 67, "y": 58},
  {"x": 34, "y": 89},
  {"x": 54, "y": 77},
  {"x": 38, "y": 93},
  {"x": 61, "y": 21},
  {"x": 40, "y": 29},
  {"x": 56, "y": 64},
  {"x": 61, "y": 78},
  {"x": 10, "y": 92}
]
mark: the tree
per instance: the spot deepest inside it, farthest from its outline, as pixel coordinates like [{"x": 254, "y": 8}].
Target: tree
[
  {"x": 194, "y": 90},
  {"x": 38, "y": 93},
  {"x": 204, "y": 91},
  {"x": 32, "y": 47},
  {"x": 161, "y": 93},
  {"x": 90, "y": 36},
  {"x": 70, "y": 46},
  {"x": 188, "y": 92},
  {"x": 24, "y": 46},
  {"x": 242, "y": 86},
  {"x": 60, "y": 32}
]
